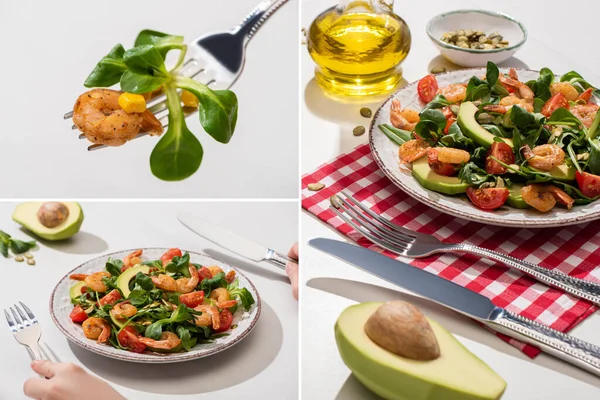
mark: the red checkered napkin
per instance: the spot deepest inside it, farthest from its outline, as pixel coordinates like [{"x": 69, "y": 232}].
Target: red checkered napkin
[{"x": 573, "y": 249}]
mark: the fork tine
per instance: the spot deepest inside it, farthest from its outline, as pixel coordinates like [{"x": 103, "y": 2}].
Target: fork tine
[
  {"x": 29, "y": 313},
  {"x": 10, "y": 321},
  {"x": 16, "y": 317},
  {"x": 22, "y": 315}
]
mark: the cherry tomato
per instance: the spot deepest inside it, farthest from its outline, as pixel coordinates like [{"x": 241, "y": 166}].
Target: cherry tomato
[
  {"x": 447, "y": 111},
  {"x": 83, "y": 289},
  {"x": 204, "y": 273},
  {"x": 77, "y": 315},
  {"x": 558, "y": 100},
  {"x": 439, "y": 167},
  {"x": 488, "y": 198},
  {"x": 192, "y": 299},
  {"x": 110, "y": 298},
  {"x": 128, "y": 337},
  {"x": 427, "y": 88},
  {"x": 168, "y": 256},
  {"x": 589, "y": 184},
  {"x": 449, "y": 123},
  {"x": 226, "y": 320},
  {"x": 586, "y": 95},
  {"x": 502, "y": 152}
]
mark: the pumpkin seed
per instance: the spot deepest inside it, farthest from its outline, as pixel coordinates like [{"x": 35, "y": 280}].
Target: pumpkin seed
[
  {"x": 31, "y": 261},
  {"x": 366, "y": 112},
  {"x": 335, "y": 202},
  {"x": 315, "y": 187},
  {"x": 485, "y": 118},
  {"x": 437, "y": 70},
  {"x": 19, "y": 258},
  {"x": 474, "y": 39},
  {"x": 359, "y": 130},
  {"x": 28, "y": 255}
]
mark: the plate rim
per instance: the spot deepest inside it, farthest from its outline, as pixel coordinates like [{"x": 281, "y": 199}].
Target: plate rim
[
  {"x": 506, "y": 222},
  {"x": 146, "y": 358}
]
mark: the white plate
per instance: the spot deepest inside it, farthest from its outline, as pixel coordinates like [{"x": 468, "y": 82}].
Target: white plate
[
  {"x": 60, "y": 307},
  {"x": 385, "y": 153}
]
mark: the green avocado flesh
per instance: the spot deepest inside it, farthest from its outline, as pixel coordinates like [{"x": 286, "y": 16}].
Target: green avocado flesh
[
  {"x": 76, "y": 290},
  {"x": 438, "y": 183},
  {"x": 514, "y": 197},
  {"x": 173, "y": 350},
  {"x": 117, "y": 322},
  {"x": 456, "y": 375},
  {"x": 26, "y": 215},
  {"x": 124, "y": 279},
  {"x": 562, "y": 172},
  {"x": 471, "y": 128}
]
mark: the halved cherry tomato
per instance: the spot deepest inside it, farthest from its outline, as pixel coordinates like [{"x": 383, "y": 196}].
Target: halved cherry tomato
[
  {"x": 427, "y": 88},
  {"x": 226, "y": 320},
  {"x": 589, "y": 184},
  {"x": 558, "y": 100},
  {"x": 502, "y": 152},
  {"x": 129, "y": 337},
  {"x": 193, "y": 299},
  {"x": 488, "y": 198},
  {"x": 83, "y": 289},
  {"x": 168, "y": 256},
  {"x": 439, "y": 167},
  {"x": 204, "y": 273},
  {"x": 586, "y": 95},
  {"x": 110, "y": 298},
  {"x": 77, "y": 315}
]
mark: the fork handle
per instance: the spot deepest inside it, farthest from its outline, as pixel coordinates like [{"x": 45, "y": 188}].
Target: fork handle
[
  {"x": 577, "y": 287},
  {"x": 253, "y": 21},
  {"x": 35, "y": 352}
]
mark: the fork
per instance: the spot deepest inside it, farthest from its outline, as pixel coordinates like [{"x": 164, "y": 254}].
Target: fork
[
  {"x": 216, "y": 59},
  {"x": 405, "y": 242},
  {"x": 25, "y": 328}
]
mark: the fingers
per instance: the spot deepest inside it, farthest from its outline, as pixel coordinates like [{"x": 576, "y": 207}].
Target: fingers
[
  {"x": 44, "y": 367},
  {"x": 294, "y": 253},
  {"x": 291, "y": 270},
  {"x": 35, "y": 387}
]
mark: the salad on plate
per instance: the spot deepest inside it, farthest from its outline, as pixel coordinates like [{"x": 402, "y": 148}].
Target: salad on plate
[{"x": 503, "y": 142}]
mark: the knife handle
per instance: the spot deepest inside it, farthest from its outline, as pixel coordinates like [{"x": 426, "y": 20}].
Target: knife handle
[
  {"x": 277, "y": 259},
  {"x": 575, "y": 351},
  {"x": 577, "y": 287}
]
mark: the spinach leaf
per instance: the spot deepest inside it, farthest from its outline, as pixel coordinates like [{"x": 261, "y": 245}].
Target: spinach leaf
[
  {"x": 593, "y": 129},
  {"x": 113, "y": 266},
  {"x": 3, "y": 249},
  {"x": 492, "y": 74},
  {"x": 181, "y": 314},
  {"x": 180, "y": 265},
  {"x": 521, "y": 117},
  {"x": 435, "y": 116},
  {"x": 456, "y": 138},
  {"x": 154, "y": 263},
  {"x": 477, "y": 89},
  {"x": 398, "y": 136},
  {"x": 562, "y": 116},
  {"x": 575, "y": 78},
  {"x": 438, "y": 101},
  {"x": 594, "y": 160},
  {"x": 496, "y": 130},
  {"x": 109, "y": 70},
  {"x": 243, "y": 295},
  {"x": 144, "y": 281},
  {"x": 217, "y": 281},
  {"x": 162, "y": 42},
  {"x": 186, "y": 339},
  {"x": 546, "y": 76},
  {"x": 110, "y": 282},
  {"x": 218, "y": 108},
  {"x": 138, "y": 83},
  {"x": 138, "y": 296},
  {"x": 20, "y": 247},
  {"x": 178, "y": 154},
  {"x": 474, "y": 175},
  {"x": 4, "y": 237},
  {"x": 145, "y": 60}
]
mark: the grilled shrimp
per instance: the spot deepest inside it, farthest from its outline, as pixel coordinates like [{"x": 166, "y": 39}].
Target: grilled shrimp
[
  {"x": 98, "y": 115},
  {"x": 96, "y": 329},
  {"x": 522, "y": 91},
  {"x": 186, "y": 285},
  {"x": 164, "y": 282},
  {"x": 210, "y": 316},
  {"x": 168, "y": 341},
  {"x": 412, "y": 150},
  {"x": 566, "y": 89},
  {"x": 543, "y": 197},
  {"x": 93, "y": 281},
  {"x": 230, "y": 276},
  {"x": 405, "y": 119},
  {"x": 220, "y": 295},
  {"x": 452, "y": 156},
  {"x": 214, "y": 270},
  {"x": 586, "y": 113},
  {"x": 133, "y": 259},
  {"x": 123, "y": 310},
  {"x": 456, "y": 92},
  {"x": 544, "y": 157}
]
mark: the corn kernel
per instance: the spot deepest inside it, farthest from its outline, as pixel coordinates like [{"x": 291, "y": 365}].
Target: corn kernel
[
  {"x": 132, "y": 103},
  {"x": 188, "y": 99}
]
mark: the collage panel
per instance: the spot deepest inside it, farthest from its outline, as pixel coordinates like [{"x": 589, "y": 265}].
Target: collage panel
[{"x": 143, "y": 296}]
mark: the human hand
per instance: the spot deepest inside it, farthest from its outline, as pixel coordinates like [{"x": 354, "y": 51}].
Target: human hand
[
  {"x": 292, "y": 269},
  {"x": 66, "y": 382}
]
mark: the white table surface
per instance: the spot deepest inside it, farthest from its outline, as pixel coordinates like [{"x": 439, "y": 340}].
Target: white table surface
[
  {"x": 333, "y": 285},
  {"x": 56, "y": 45},
  {"x": 262, "y": 365}
]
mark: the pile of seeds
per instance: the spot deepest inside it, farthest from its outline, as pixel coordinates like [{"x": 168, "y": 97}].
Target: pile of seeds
[{"x": 470, "y": 39}]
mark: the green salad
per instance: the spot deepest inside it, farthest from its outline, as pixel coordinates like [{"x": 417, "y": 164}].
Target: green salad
[{"x": 501, "y": 141}]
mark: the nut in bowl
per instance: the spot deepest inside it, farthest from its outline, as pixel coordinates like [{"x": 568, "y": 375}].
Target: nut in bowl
[{"x": 471, "y": 38}]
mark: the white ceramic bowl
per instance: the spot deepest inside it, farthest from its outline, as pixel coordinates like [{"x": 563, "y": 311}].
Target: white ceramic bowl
[{"x": 486, "y": 21}]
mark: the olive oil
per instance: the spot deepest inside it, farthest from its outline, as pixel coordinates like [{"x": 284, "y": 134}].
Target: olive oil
[{"x": 358, "y": 47}]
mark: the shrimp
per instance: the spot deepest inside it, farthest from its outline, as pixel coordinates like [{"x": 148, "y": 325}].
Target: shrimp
[
  {"x": 168, "y": 341},
  {"x": 186, "y": 285},
  {"x": 98, "y": 115},
  {"x": 544, "y": 157},
  {"x": 214, "y": 270},
  {"x": 133, "y": 259},
  {"x": 456, "y": 92},
  {"x": 566, "y": 89},
  {"x": 123, "y": 310},
  {"x": 210, "y": 316},
  {"x": 412, "y": 150},
  {"x": 230, "y": 276},
  {"x": 512, "y": 73},
  {"x": 452, "y": 156},
  {"x": 586, "y": 113},
  {"x": 96, "y": 329},
  {"x": 403, "y": 119},
  {"x": 94, "y": 281},
  {"x": 220, "y": 295},
  {"x": 522, "y": 91},
  {"x": 164, "y": 282},
  {"x": 543, "y": 197}
]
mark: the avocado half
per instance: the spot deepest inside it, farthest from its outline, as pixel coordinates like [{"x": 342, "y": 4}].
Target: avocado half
[
  {"x": 423, "y": 173},
  {"x": 472, "y": 129},
  {"x": 26, "y": 215},
  {"x": 456, "y": 375}
]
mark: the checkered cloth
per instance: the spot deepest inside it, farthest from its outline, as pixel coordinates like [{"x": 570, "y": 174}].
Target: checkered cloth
[{"x": 572, "y": 250}]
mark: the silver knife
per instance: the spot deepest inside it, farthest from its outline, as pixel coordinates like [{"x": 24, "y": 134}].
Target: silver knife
[
  {"x": 231, "y": 241},
  {"x": 575, "y": 351}
]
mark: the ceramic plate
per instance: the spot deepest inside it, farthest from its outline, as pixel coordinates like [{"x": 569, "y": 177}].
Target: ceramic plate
[
  {"x": 60, "y": 307},
  {"x": 385, "y": 153}
]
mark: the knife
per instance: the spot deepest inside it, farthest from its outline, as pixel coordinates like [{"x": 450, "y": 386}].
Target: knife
[
  {"x": 575, "y": 351},
  {"x": 239, "y": 245}
]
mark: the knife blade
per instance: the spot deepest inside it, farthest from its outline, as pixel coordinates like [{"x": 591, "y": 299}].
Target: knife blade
[
  {"x": 569, "y": 348},
  {"x": 231, "y": 241}
]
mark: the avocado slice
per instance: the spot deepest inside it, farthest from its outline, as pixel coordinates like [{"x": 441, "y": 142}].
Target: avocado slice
[
  {"x": 173, "y": 350},
  {"x": 562, "y": 172},
  {"x": 124, "y": 279},
  {"x": 438, "y": 183},
  {"x": 456, "y": 375},
  {"x": 75, "y": 291},
  {"x": 117, "y": 322},
  {"x": 472, "y": 129},
  {"x": 514, "y": 197},
  {"x": 26, "y": 215}
]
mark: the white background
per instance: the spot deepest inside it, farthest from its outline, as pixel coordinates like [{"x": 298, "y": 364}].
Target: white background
[
  {"x": 49, "y": 49},
  {"x": 263, "y": 365},
  {"x": 333, "y": 285}
]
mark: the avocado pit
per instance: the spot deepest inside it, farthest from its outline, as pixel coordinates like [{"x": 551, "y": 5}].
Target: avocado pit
[{"x": 52, "y": 214}]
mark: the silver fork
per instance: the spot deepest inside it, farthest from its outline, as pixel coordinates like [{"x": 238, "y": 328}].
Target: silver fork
[
  {"x": 405, "y": 242},
  {"x": 25, "y": 328},
  {"x": 216, "y": 59}
]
